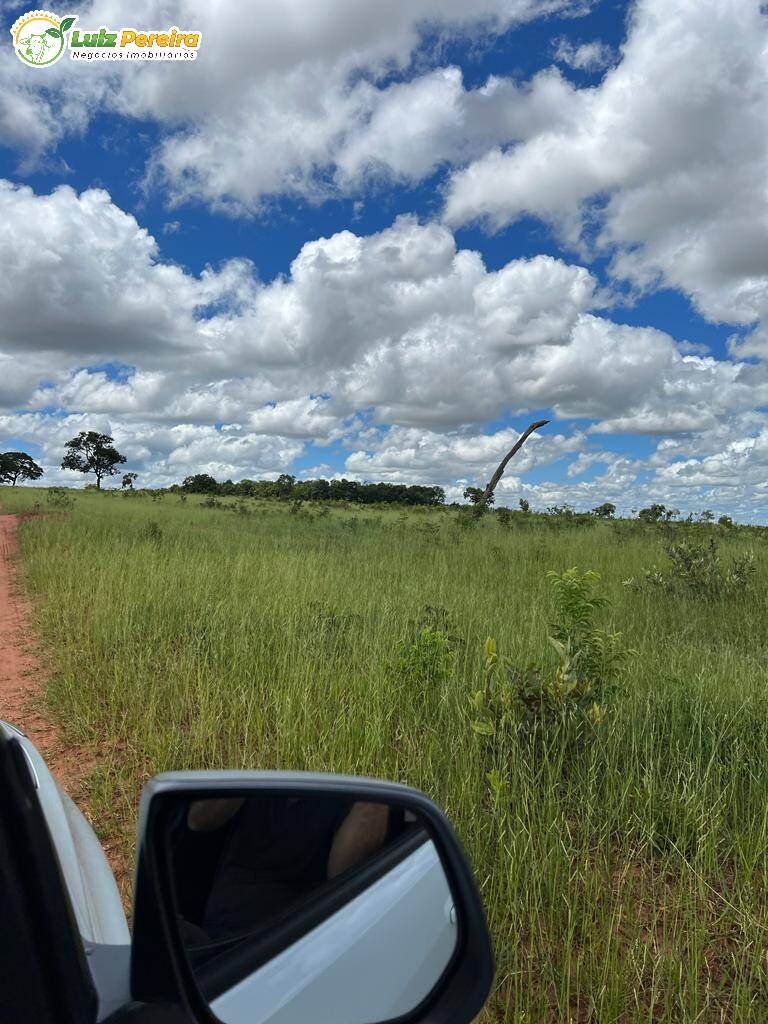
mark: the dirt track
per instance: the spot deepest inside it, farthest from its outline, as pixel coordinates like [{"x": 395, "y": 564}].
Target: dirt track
[{"x": 23, "y": 673}]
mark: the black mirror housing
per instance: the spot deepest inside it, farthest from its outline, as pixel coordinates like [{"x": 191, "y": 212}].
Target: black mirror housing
[{"x": 163, "y": 971}]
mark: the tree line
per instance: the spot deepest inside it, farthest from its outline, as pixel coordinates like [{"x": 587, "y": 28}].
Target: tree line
[
  {"x": 288, "y": 487},
  {"x": 91, "y": 452}
]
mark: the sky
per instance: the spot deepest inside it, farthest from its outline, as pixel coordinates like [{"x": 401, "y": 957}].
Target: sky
[{"x": 377, "y": 240}]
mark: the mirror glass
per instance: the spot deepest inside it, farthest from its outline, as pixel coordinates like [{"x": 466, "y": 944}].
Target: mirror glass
[{"x": 309, "y": 906}]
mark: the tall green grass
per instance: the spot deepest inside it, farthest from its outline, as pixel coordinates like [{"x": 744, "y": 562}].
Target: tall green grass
[{"x": 627, "y": 885}]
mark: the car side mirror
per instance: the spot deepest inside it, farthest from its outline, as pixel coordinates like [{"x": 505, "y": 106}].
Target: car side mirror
[{"x": 280, "y": 898}]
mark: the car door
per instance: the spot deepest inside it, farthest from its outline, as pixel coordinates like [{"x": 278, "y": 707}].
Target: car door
[{"x": 44, "y": 976}]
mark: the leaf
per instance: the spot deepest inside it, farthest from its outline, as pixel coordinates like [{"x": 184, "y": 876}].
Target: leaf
[
  {"x": 53, "y": 32},
  {"x": 67, "y": 23},
  {"x": 483, "y": 727},
  {"x": 560, "y": 648}
]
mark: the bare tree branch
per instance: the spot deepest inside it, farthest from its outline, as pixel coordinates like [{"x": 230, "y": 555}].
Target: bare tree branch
[{"x": 488, "y": 492}]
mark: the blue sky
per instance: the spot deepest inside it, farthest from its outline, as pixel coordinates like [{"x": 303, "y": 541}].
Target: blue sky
[{"x": 380, "y": 244}]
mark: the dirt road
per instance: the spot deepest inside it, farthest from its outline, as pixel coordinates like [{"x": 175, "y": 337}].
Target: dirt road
[{"x": 23, "y": 673}]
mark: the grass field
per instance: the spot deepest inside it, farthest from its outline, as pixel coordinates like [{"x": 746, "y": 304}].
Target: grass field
[{"x": 627, "y": 883}]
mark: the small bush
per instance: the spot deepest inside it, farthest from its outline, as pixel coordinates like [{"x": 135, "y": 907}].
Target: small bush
[
  {"x": 58, "y": 497},
  {"x": 426, "y": 662},
  {"x": 696, "y": 568},
  {"x": 504, "y": 517},
  {"x": 563, "y": 705}
]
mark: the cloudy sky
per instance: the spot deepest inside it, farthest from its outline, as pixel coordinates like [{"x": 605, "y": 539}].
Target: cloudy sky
[{"x": 378, "y": 239}]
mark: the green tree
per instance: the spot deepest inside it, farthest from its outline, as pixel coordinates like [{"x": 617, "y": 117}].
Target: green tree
[
  {"x": 128, "y": 480},
  {"x": 605, "y": 511},
  {"x": 475, "y": 496},
  {"x": 653, "y": 513},
  {"x": 200, "y": 483},
  {"x": 18, "y": 466},
  {"x": 284, "y": 485},
  {"x": 91, "y": 452}
]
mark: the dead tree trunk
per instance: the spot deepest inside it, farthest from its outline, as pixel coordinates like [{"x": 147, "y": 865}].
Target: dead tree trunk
[{"x": 488, "y": 492}]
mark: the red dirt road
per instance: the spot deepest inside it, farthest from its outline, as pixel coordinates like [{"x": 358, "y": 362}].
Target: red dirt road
[
  {"x": 22, "y": 678},
  {"x": 23, "y": 673}
]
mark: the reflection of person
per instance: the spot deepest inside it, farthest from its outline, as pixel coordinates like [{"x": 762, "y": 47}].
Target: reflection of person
[{"x": 280, "y": 849}]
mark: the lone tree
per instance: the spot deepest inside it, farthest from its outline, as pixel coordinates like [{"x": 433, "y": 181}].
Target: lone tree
[
  {"x": 128, "y": 479},
  {"x": 18, "y": 466},
  {"x": 200, "y": 483},
  {"x": 605, "y": 511},
  {"x": 487, "y": 494},
  {"x": 90, "y": 452}
]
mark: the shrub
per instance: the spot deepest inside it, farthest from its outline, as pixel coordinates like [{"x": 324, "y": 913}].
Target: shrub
[
  {"x": 57, "y": 497},
  {"x": 563, "y": 705},
  {"x": 504, "y": 517},
  {"x": 426, "y": 662},
  {"x": 697, "y": 568}
]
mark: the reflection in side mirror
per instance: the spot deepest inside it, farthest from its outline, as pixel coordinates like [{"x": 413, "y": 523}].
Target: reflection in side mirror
[{"x": 309, "y": 906}]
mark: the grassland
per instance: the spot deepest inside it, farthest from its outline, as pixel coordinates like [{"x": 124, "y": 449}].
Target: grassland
[{"x": 629, "y": 887}]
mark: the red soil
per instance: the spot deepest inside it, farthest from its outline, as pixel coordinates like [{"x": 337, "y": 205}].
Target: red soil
[{"x": 22, "y": 679}]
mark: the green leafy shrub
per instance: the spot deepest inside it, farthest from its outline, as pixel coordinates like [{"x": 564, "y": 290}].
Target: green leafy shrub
[
  {"x": 697, "y": 568},
  {"x": 426, "y": 661},
  {"x": 565, "y": 703}
]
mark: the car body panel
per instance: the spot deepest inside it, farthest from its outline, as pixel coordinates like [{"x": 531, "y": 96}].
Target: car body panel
[{"x": 90, "y": 883}]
